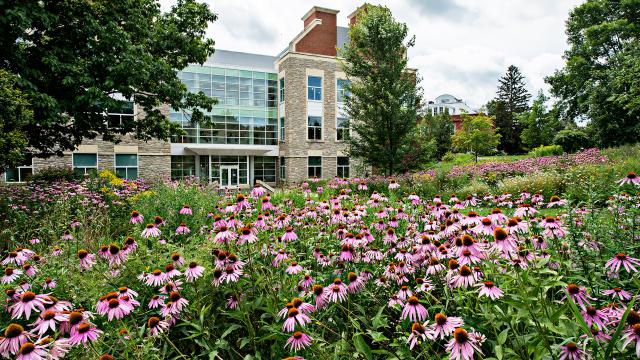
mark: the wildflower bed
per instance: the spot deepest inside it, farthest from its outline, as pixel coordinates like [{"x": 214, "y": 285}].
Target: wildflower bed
[{"x": 115, "y": 269}]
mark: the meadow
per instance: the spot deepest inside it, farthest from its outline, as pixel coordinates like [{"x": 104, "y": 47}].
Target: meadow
[{"x": 530, "y": 259}]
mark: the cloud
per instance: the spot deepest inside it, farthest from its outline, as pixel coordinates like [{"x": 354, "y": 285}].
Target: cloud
[{"x": 434, "y": 8}]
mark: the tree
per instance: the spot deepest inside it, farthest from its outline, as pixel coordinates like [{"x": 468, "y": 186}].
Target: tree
[
  {"x": 572, "y": 139},
  {"x": 383, "y": 102},
  {"x": 511, "y": 99},
  {"x": 15, "y": 114},
  {"x": 539, "y": 125},
  {"x": 439, "y": 129},
  {"x": 477, "y": 135},
  {"x": 600, "y": 81},
  {"x": 70, "y": 57}
]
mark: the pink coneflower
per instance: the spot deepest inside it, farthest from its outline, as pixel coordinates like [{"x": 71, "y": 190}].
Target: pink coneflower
[
  {"x": 552, "y": 228},
  {"x": 464, "y": 278},
  {"x": 14, "y": 337},
  {"x": 470, "y": 201},
  {"x": 632, "y": 334},
  {"x": 418, "y": 333},
  {"x": 48, "y": 320},
  {"x": 49, "y": 283},
  {"x": 155, "y": 278},
  {"x": 224, "y": 235},
  {"x": 117, "y": 309},
  {"x": 186, "y": 210},
  {"x": 151, "y": 230},
  {"x": 298, "y": 341},
  {"x": 356, "y": 283},
  {"x": 289, "y": 235},
  {"x": 363, "y": 186},
  {"x": 267, "y": 205},
  {"x": 319, "y": 292},
  {"x": 193, "y": 272},
  {"x": 617, "y": 293},
  {"x": 176, "y": 302},
  {"x": 10, "y": 275},
  {"x": 393, "y": 184},
  {"x": 156, "y": 301},
  {"x": 463, "y": 345},
  {"x": 579, "y": 295},
  {"x": 29, "y": 270},
  {"x": 85, "y": 332},
  {"x": 31, "y": 351},
  {"x": 485, "y": 227},
  {"x": 156, "y": 326},
  {"x": 347, "y": 253},
  {"x": 258, "y": 191},
  {"x": 306, "y": 281},
  {"x": 231, "y": 274},
  {"x": 490, "y": 290},
  {"x": 413, "y": 310},
  {"x": 87, "y": 260},
  {"x": 136, "y": 218},
  {"x": 337, "y": 292},
  {"x": 295, "y": 316},
  {"x": 631, "y": 178},
  {"x": 571, "y": 351},
  {"x": 621, "y": 259},
  {"x": 170, "y": 272},
  {"x": 556, "y": 201},
  {"x": 593, "y": 316},
  {"x": 28, "y": 302},
  {"x": 525, "y": 210},
  {"x": 241, "y": 203},
  {"x": 294, "y": 268},
  {"x": 14, "y": 257},
  {"x": 67, "y": 235},
  {"x": 443, "y": 326},
  {"x": 182, "y": 229}
]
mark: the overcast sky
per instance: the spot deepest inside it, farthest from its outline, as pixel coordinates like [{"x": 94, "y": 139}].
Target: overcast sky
[{"x": 462, "y": 46}]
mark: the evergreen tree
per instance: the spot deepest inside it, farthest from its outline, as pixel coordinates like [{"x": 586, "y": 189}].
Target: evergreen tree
[
  {"x": 383, "y": 102},
  {"x": 539, "y": 126},
  {"x": 511, "y": 99}
]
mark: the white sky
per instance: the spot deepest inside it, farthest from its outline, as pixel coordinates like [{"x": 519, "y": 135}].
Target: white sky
[{"x": 462, "y": 46}]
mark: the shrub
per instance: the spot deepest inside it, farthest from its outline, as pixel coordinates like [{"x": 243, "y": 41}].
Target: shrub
[
  {"x": 457, "y": 158},
  {"x": 53, "y": 174},
  {"x": 546, "y": 150},
  {"x": 474, "y": 187},
  {"x": 572, "y": 140},
  {"x": 547, "y": 183}
]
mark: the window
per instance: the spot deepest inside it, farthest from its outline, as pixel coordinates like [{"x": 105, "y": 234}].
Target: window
[
  {"x": 127, "y": 166},
  {"x": 315, "y": 166},
  {"x": 314, "y": 128},
  {"x": 342, "y": 129},
  {"x": 84, "y": 164},
  {"x": 314, "y": 88},
  {"x": 343, "y": 167},
  {"x": 264, "y": 168},
  {"x": 182, "y": 166},
  {"x": 282, "y": 129},
  {"x": 120, "y": 116},
  {"x": 281, "y": 89},
  {"x": 343, "y": 92},
  {"x": 21, "y": 173},
  {"x": 283, "y": 169}
]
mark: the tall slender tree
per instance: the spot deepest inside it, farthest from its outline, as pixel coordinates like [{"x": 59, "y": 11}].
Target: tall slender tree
[
  {"x": 511, "y": 100},
  {"x": 384, "y": 96}
]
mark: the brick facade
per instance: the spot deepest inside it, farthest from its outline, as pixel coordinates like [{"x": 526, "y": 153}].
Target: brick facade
[{"x": 322, "y": 38}]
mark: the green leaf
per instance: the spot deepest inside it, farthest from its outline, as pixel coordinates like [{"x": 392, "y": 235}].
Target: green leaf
[
  {"x": 502, "y": 337},
  {"x": 377, "y": 336},
  {"x": 361, "y": 346},
  {"x": 229, "y": 330},
  {"x": 499, "y": 352}
]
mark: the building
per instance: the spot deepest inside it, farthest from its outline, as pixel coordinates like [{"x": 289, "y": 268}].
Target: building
[
  {"x": 278, "y": 119},
  {"x": 451, "y": 105}
]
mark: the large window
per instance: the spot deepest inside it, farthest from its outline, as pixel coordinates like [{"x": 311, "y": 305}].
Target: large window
[
  {"x": 314, "y": 88},
  {"x": 315, "y": 166},
  {"x": 343, "y": 91},
  {"x": 264, "y": 168},
  {"x": 182, "y": 166},
  {"x": 120, "y": 116},
  {"x": 126, "y": 166},
  {"x": 84, "y": 164},
  {"x": 283, "y": 168},
  {"x": 281, "y": 89},
  {"x": 248, "y": 128},
  {"x": 314, "y": 128},
  {"x": 343, "y": 167},
  {"x": 21, "y": 173},
  {"x": 342, "y": 129},
  {"x": 282, "y": 133}
]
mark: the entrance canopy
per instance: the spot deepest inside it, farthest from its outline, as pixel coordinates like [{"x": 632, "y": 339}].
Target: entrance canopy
[{"x": 232, "y": 149}]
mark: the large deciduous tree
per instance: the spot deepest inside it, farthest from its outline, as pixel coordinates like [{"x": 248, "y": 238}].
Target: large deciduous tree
[
  {"x": 70, "y": 57},
  {"x": 477, "y": 135},
  {"x": 511, "y": 100},
  {"x": 438, "y": 128},
  {"x": 601, "y": 78},
  {"x": 384, "y": 100},
  {"x": 539, "y": 125},
  {"x": 15, "y": 114}
]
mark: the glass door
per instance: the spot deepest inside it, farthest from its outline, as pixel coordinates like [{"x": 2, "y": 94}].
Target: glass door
[{"x": 228, "y": 176}]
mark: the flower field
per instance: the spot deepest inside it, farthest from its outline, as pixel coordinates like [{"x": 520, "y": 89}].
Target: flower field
[{"x": 111, "y": 269}]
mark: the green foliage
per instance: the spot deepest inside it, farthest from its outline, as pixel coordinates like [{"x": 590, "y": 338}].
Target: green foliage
[
  {"x": 383, "y": 102},
  {"x": 458, "y": 158},
  {"x": 547, "y": 183},
  {"x": 15, "y": 114},
  {"x": 572, "y": 139},
  {"x": 53, "y": 174},
  {"x": 539, "y": 125},
  {"x": 70, "y": 57},
  {"x": 511, "y": 100},
  {"x": 601, "y": 77},
  {"x": 477, "y": 135},
  {"x": 547, "y": 150},
  {"x": 438, "y": 128}
]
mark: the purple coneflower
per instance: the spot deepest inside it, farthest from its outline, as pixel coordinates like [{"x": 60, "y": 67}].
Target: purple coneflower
[
  {"x": 621, "y": 259},
  {"x": 463, "y": 345},
  {"x": 464, "y": 278},
  {"x": 155, "y": 278},
  {"x": 418, "y": 332},
  {"x": 337, "y": 292},
  {"x": 182, "y": 229},
  {"x": 393, "y": 184},
  {"x": 295, "y": 316},
  {"x": 298, "y": 341},
  {"x": 294, "y": 268},
  {"x": 579, "y": 295},
  {"x": 617, "y": 292},
  {"x": 151, "y": 230},
  {"x": 556, "y": 201},
  {"x": 443, "y": 326},
  {"x": 631, "y": 178},
  {"x": 571, "y": 351},
  {"x": 485, "y": 227},
  {"x": 306, "y": 281},
  {"x": 48, "y": 320},
  {"x": 10, "y": 275},
  {"x": 156, "y": 326},
  {"x": 186, "y": 210},
  {"x": 85, "y": 332},
  {"x": 413, "y": 310},
  {"x": 28, "y": 302},
  {"x": 632, "y": 334},
  {"x": 136, "y": 217},
  {"x": 31, "y": 351},
  {"x": 231, "y": 274},
  {"x": 87, "y": 260},
  {"x": 14, "y": 337},
  {"x": 193, "y": 271},
  {"x": 490, "y": 290},
  {"x": 593, "y": 316}
]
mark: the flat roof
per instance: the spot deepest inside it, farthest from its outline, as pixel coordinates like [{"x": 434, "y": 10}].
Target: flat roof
[{"x": 237, "y": 59}]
